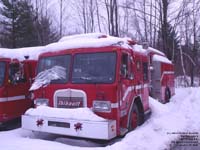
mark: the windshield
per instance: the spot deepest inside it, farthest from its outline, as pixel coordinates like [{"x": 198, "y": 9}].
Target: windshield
[
  {"x": 46, "y": 65},
  {"x": 2, "y": 72},
  {"x": 94, "y": 68}
]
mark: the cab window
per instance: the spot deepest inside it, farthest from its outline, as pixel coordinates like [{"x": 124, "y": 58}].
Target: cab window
[
  {"x": 145, "y": 71},
  {"x": 126, "y": 66},
  {"x": 2, "y": 72},
  {"x": 16, "y": 73}
]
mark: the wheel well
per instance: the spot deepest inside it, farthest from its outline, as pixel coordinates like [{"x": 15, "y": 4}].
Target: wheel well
[
  {"x": 139, "y": 104},
  {"x": 137, "y": 101},
  {"x": 167, "y": 91}
]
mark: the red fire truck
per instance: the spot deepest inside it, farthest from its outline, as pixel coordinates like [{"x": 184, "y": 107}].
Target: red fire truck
[
  {"x": 161, "y": 76},
  {"x": 15, "y": 80},
  {"x": 106, "y": 75}
]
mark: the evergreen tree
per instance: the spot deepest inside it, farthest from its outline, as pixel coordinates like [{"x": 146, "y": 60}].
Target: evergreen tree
[
  {"x": 46, "y": 33},
  {"x": 172, "y": 42},
  {"x": 22, "y": 27},
  {"x": 26, "y": 30},
  {"x": 9, "y": 25}
]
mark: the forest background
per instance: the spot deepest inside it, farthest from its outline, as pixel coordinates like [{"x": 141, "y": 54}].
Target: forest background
[{"x": 171, "y": 26}]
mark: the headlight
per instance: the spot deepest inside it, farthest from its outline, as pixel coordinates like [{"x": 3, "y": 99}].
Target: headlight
[
  {"x": 101, "y": 106},
  {"x": 41, "y": 102}
]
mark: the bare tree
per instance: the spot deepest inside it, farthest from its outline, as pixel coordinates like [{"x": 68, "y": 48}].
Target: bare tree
[
  {"x": 145, "y": 20},
  {"x": 88, "y": 13},
  {"x": 61, "y": 17},
  {"x": 98, "y": 15},
  {"x": 112, "y": 16}
]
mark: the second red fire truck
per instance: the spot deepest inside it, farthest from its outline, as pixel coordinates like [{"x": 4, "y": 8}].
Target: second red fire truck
[
  {"x": 15, "y": 80},
  {"x": 105, "y": 74}
]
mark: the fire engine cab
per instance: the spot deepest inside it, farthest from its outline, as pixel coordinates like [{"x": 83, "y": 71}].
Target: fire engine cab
[
  {"x": 15, "y": 81},
  {"x": 105, "y": 74}
]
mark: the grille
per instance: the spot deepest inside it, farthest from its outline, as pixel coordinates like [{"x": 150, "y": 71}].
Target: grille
[{"x": 69, "y": 102}]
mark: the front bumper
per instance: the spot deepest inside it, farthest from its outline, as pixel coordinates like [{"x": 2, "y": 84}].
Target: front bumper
[{"x": 104, "y": 130}]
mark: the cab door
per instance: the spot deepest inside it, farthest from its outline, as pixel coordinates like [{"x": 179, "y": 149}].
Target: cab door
[
  {"x": 126, "y": 82},
  {"x": 17, "y": 89}
]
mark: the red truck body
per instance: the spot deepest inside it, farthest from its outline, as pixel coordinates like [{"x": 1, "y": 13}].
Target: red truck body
[
  {"x": 113, "y": 81},
  {"x": 15, "y": 81}
]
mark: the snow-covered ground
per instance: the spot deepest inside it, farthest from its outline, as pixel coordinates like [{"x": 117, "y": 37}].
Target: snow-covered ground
[
  {"x": 185, "y": 81},
  {"x": 157, "y": 133}
]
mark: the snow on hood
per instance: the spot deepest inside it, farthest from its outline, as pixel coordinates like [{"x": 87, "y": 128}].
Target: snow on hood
[
  {"x": 75, "y": 113},
  {"x": 45, "y": 77}
]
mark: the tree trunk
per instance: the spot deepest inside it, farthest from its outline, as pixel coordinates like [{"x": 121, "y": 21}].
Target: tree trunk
[{"x": 61, "y": 16}]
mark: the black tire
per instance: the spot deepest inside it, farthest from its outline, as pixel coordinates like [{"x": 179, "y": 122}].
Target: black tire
[
  {"x": 167, "y": 95},
  {"x": 134, "y": 119}
]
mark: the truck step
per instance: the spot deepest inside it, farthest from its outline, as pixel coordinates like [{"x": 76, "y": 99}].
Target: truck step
[{"x": 123, "y": 131}]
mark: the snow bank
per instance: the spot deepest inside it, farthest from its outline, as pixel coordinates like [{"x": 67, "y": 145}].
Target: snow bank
[
  {"x": 45, "y": 77},
  {"x": 180, "y": 115},
  {"x": 161, "y": 59},
  {"x": 76, "y": 113}
]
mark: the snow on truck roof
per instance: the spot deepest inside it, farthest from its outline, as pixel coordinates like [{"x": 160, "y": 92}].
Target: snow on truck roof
[
  {"x": 150, "y": 49},
  {"x": 19, "y": 53},
  {"x": 81, "y": 36},
  {"x": 161, "y": 59},
  {"x": 90, "y": 40}
]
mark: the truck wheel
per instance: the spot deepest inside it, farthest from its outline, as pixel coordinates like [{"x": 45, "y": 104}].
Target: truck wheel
[
  {"x": 167, "y": 95},
  {"x": 134, "y": 118}
]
